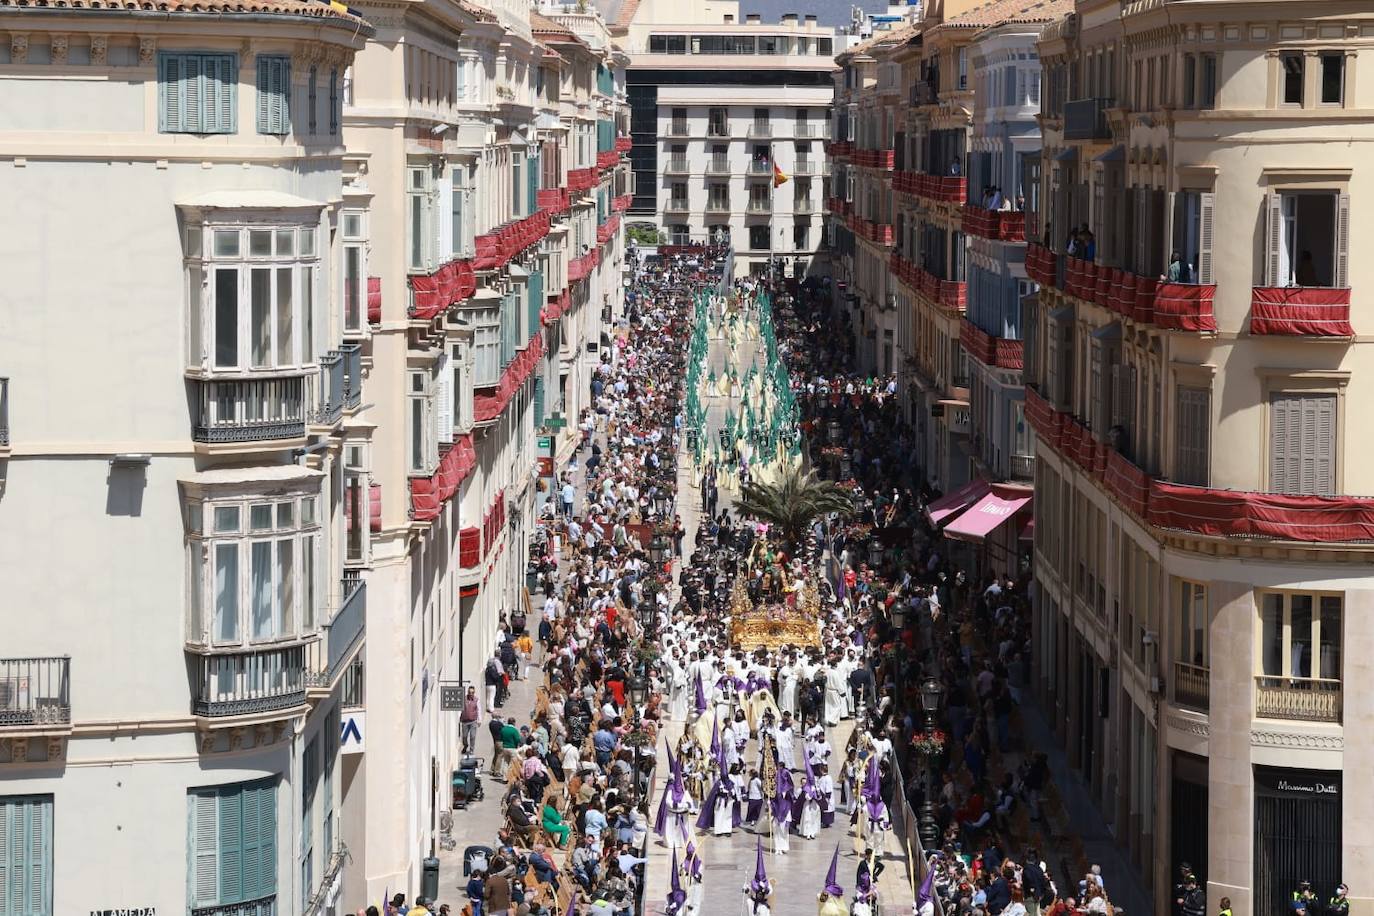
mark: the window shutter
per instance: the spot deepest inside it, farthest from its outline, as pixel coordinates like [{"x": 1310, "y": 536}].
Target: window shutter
[
  {"x": 1190, "y": 436},
  {"x": 1142, "y": 229},
  {"x": 1273, "y": 240},
  {"x": 218, "y": 81},
  {"x": 1316, "y": 439},
  {"x": 334, "y": 100},
  {"x": 1285, "y": 443},
  {"x": 230, "y": 846},
  {"x": 445, "y": 400},
  {"x": 205, "y": 847},
  {"x": 8, "y": 879},
  {"x": 1206, "y": 218},
  {"x": 539, "y": 401},
  {"x": 172, "y": 113},
  {"x": 252, "y": 843},
  {"x": 192, "y": 92},
  {"x": 312, "y": 99},
  {"x": 1342, "y": 241},
  {"x": 281, "y": 98},
  {"x": 263, "y": 100}
]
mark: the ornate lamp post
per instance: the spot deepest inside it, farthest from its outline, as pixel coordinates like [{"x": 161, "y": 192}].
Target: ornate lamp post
[
  {"x": 932, "y": 694},
  {"x": 638, "y": 693}
]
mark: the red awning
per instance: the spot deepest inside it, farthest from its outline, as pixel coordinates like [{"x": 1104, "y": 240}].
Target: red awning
[
  {"x": 944, "y": 508},
  {"x": 991, "y": 512}
]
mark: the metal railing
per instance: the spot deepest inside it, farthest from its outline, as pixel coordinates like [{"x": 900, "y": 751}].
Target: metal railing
[
  {"x": 677, "y": 128},
  {"x": 1086, "y": 119},
  {"x": 262, "y": 906},
  {"x": 676, "y": 205},
  {"x": 342, "y": 634},
  {"x": 805, "y": 129},
  {"x": 718, "y": 206},
  {"x": 762, "y": 129},
  {"x": 316, "y": 905},
  {"x": 328, "y": 408},
  {"x": 35, "y": 691},
  {"x": 760, "y": 167},
  {"x": 803, "y": 205},
  {"x": 1308, "y": 699},
  {"x": 249, "y": 681},
  {"x": 677, "y": 165},
  {"x": 1192, "y": 686},
  {"x": 756, "y": 205},
  {"x": 250, "y": 410},
  {"x": 1022, "y": 467},
  {"x": 719, "y": 164},
  {"x": 803, "y": 167},
  {"x": 4, "y": 411},
  {"x": 353, "y": 375},
  {"x": 717, "y": 129}
]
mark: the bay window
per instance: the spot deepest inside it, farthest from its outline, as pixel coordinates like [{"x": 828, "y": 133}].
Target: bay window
[
  {"x": 420, "y": 227},
  {"x": 253, "y": 566},
  {"x": 486, "y": 347},
  {"x": 422, "y": 436},
  {"x": 251, "y": 296},
  {"x": 357, "y": 505},
  {"x": 1299, "y": 656}
]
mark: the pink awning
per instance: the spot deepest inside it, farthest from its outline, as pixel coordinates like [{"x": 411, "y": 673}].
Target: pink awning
[
  {"x": 984, "y": 518},
  {"x": 944, "y": 508}
]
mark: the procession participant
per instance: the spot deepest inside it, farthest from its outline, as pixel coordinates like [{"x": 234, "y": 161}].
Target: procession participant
[
  {"x": 755, "y": 797},
  {"x": 809, "y": 803},
  {"x": 693, "y": 870},
  {"x": 831, "y": 898},
  {"x": 672, "y": 823},
  {"x": 826, "y": 786},
  {"x": 758, "y": 891},
  {"x": 677, "y": 897}
]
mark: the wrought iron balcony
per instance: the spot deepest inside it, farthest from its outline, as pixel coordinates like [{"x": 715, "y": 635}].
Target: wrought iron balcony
[
  {"x": 676, "y": 205},
  {"x": 677, "y": 128},
  {"x": 677, "y": 165},
  {"x": 718, "y": 205},
  {"x": 805, "y": 129},
  {"x": 719, "y": 165},
  {"x": 250, "y": 409},
  {"x": 761, "y": 129},
  {"x": 804, "y": 166},
  {"x": 760, "y": 167},
  {"x": 759, "y": 205},
  {"x": 1192, "y": 686},
  {"x": 1022, "y": 467},
  {"x": 262, "y": 906},
  {"x": 249, "y": 681},
  {"x": 35, "y": 692},
  {"x": 353, "y": 375},
  {"x": 1086, "y": 119},
  {"x": 342, "y": 635},
  {"x": 1308, "y": 699},
  {"x": 328, "y": 403},
  {"x": 803, "y": 205}
]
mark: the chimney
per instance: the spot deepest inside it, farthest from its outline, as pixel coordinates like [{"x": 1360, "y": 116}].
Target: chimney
[
  {"x": 753, "y": 19},
  {"x": 789, "y": 18},
  {"x": 810, "y": 20}
]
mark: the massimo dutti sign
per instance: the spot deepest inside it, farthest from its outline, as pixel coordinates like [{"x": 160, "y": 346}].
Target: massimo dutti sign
[{"x": 1285, "y": 783}]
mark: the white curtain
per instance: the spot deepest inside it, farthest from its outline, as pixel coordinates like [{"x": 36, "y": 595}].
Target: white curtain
[
  {"x": 261, "y": 594},
  {"x": 226, "y": 592}
]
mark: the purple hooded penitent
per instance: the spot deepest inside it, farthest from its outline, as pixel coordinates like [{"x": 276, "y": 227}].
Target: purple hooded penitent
[
  {"x": 673, "y": 791},
  {"x": 693, "y": 862},
  {"x": 927, "y": 891},
  {"x": 832, "y": 881},
  {"x": 864, "y": 887},
  {"x": 676, "y": 895},
  {"x": 700, "y": 695},
  {"x": 715, "y": 740},
  {"x": 873, "y": 793},
  {"x": 760, "y": 882},
  {"x": 786, "y": 794}
]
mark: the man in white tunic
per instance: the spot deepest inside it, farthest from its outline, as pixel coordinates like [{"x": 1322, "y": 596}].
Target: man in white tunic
[{"x": 836, "y": 695}]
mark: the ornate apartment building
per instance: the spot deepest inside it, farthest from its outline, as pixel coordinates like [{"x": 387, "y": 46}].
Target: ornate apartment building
[
  {"x": 1191, "y": 364},
  {"x": 181, "y": 606},
  {"x": 353, "y": 269},
  {"x": 490, "y": 191},
  {"x": 729, "y": 119}
]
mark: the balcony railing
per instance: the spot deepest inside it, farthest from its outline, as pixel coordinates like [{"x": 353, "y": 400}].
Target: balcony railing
[
  {"x": 1308, "y": 699},
  {"x": 719, "y": 165},
  {"x": 761, "y": 129},
  {"x": 1191, "y": 686},
  {"x": 677, "y": 165},
  {"x": 35, "y": 692},
  {"x": 717, "y": 129},
  {"x": 1086, "y": 119},
  {"x": 261, "y": 906},
  {"x": 328, "y": 408},
  {"x": 342, "y": 634},
  {"x": 718, "y": 205},
  {"x": 1022, "y": 467},
  {"x": 353, "y": 375},
  {"x": 757, "y": 205},
  {"x": 804, "y": 205},
  {"x": 677, "y": 128},
  {"x": 676, "y": 205},
  {"x": 805, "y": 129},
  {"x": 250, "y": 410},
  {"x": 758, "y": 167},
  {"x": 250, "y": 681},
  {"x": 803, "y": 167}
]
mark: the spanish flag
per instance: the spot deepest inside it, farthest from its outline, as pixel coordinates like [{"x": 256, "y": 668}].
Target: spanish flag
[{"x": 779, "y": 176}]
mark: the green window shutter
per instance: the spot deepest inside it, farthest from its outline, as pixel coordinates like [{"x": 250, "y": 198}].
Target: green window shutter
[
  {"x": 534, "y": 289},
  {"x": 334, "y": 100},
  {"x": 230, "y": 846},
  {"x": 273, "y": 100},
  {"x": 251, "y": 845},
  {"x": 192, "y": 92},
  {"x": 171, "y": 88},
  {"x": 204, "y": 835},
  {"x": 532, "y": 180},
  {"x": 219, "y": 85},
  {"x": 266, "y": 839},
  {"x": 26, "y": 856},
  {"x": 312, "y": 95},
  {"x": 539, "y": 400}
]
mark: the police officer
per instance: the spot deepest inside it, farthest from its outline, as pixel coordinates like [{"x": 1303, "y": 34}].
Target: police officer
[
  {"x": 1194, "y": 898},
  {"x": 1338, "y": 905},
  {"x": 1304, "y": 898}
]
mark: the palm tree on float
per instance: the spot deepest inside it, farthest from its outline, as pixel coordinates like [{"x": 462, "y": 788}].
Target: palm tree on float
[{"x": 793, "y": 500}]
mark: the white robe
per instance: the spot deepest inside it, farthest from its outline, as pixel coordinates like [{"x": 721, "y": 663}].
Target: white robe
[
  {"x": 836, "y": 693},
  {"x": 723, "y": 820},
  {"x": 677, "y": 701},
  {"x": 729, "y": 744},
  {"x": 787, "y": 680},
  {"x": 786, "y": 753},
  {"x": 679, "y": 829},
  {"x": 810, "y": 819}
]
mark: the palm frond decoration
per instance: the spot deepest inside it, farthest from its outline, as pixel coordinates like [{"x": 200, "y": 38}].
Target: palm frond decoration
[{"x": 793, "y": 500}]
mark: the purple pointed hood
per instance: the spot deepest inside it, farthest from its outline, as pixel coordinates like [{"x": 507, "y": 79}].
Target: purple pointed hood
[
  {"x": 715, "y": 739},
  {"x": 760, "y": 882},
  {"x": 927, "y": 891},
  {"x": 572, "y": 904},
  {"x": 676, "y": 895},
  {"x": 832, "y": 881},
  {"x": 700, "y": 695},
  {"x": 873, "y": 792},
  {"x": 673, "y": 791}
]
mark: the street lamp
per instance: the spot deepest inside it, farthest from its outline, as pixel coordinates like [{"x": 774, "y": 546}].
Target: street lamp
[
  {"x": 658, "y": 549},
  {"x": 660, "y": 502},
  {"x": 638, "y": 691},
  {"x": 932, "y": 693}
]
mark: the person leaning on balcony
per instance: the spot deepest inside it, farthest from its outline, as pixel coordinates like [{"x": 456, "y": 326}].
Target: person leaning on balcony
[{"x": 954, "y": 168}]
